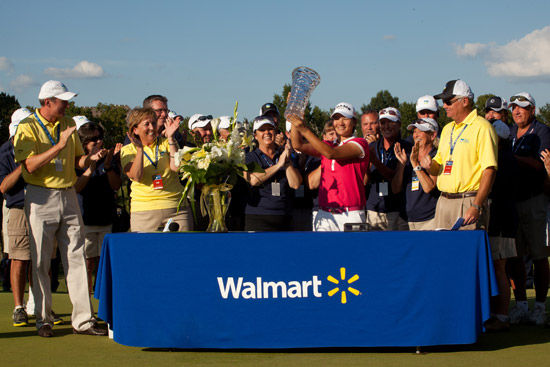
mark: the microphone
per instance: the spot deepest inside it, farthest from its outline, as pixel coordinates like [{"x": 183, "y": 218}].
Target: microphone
[{"x": 171, "y": 226}]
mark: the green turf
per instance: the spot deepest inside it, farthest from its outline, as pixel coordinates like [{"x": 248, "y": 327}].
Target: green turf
[{"x": 524, "y": 345}]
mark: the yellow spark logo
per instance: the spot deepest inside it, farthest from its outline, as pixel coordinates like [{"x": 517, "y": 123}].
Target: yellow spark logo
[{"x": 332, "y": 279}]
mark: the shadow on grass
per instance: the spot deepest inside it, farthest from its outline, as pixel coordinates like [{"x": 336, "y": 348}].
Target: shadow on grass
[
  {"x": 30, "y": 330},
  {"x": 518, "y": 336}
]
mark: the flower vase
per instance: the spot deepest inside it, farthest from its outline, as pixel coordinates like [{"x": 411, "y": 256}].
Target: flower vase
[{"x": 217, "y": 203}]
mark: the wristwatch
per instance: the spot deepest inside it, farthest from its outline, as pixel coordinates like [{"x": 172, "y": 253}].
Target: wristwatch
[
  {"x": 477, "y": 207},
  {"x": 417, "y": 168}
]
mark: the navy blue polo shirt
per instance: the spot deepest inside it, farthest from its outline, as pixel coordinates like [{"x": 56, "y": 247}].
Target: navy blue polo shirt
[
  {"x": 531, "y": 144},
  {"x": 260, "y": 201},
  {"x": 15, "y": 197},
  {"x": 420, "y": 206},
  {"x": 312, "y": 163},
  {"x": 98, "y": 198},
  {"x": 503, "y": 219},
  {"x": 391, "y": 202}
]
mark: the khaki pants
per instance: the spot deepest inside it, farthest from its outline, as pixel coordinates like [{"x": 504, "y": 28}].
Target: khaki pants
[
  {"x": 386, "y": 221},
  {"x": 151, "y": 220},
  {"x": 447, "y": 211},
  {"x": 55, "y": 214},
  {"x": 427, "y": 225}
]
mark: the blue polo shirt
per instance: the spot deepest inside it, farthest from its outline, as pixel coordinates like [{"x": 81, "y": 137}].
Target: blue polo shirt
[
  {"x": 531, "y": 144},
  {"x": 260, "y": 200},
  {"x": 391, "y": 202},
  {"x": 420, "y": 206},
  {"x": 15, "y": 197}
]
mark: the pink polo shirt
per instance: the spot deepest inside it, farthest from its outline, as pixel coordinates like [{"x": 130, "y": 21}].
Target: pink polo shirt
[{"x": 342, "y": 179}]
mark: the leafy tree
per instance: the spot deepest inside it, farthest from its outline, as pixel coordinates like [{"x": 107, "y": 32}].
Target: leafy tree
[
  {"x": 408, "y": 115},
  {"x": 382, "y": 100},
  {"x": 480, "y": 103},
  {"x": 8, "y": 105},
  {"x": 544, "y": 114}
]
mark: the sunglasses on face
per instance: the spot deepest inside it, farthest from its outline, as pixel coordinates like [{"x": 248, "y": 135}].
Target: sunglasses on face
[
  {"x": 160, "y": 110},
  {"x": 450, "y": 101},
  {"x": 388, "y": 112}
]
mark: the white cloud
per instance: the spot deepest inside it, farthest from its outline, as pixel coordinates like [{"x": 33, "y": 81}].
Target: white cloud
[
  {"x": 470, "y": 49},
  {"x": 389, "y": 37},
  {"x": 82, "y": 70},
  {"x": 22, "y": 82},
  {"x": 525, "y": 58},
  {"x": 6, "y": 64}
]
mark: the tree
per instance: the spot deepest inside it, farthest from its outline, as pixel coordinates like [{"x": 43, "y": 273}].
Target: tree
[
  {"x": 408, "y": 116},
  {"x": 8, "y": 105},
  {"x": 544, "y": 114},
  {"x": 480, "y": 103},
  {"x": 382, "y": 100}
]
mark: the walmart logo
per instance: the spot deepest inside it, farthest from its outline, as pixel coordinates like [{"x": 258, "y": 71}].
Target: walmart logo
[
  {"x": 343, "y": 297},
  {"x": 238, "y": 288}
]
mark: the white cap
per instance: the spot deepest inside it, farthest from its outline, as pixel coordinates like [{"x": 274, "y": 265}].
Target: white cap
[
  {"x": 261, "y": 121},
  {"x": 427, "y": 102},
  {"x": 424, "y": 124},
  {"x": 288, "y": 126},
  {"x": 455, "y": 88},
  {"x": 345, "y": 109},
  {"x": 199, "y": 120},
  {"x": 390, "y": 113},
  {"x": 503, "y": 131},
  {"x": 522, "y": 99},
  {"x": 172, "y": 114},
  {"x": 225, "y": 122},
  {"x": 54, "y": 88},
  {"x": 16, "y": 117},
  {"x": 80, "y": 120}
]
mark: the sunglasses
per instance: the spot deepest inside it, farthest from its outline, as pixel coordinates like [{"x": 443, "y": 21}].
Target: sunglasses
[
  {"x": 388, "y": 112},
  {"x": 161, "y": 110},
  {"x": 451, "y": 101},
  {"x": 204, "y": 118},
  {"x": 520, "y": 99}
]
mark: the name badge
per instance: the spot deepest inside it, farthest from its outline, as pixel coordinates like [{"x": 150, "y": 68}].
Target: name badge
[
  {"x": 157, "y": 182},
  {"x": 383, "y": 189},
  {"x": 275, "y": 189},
  {"x": 58, "y": 165},
  {"x": 448, "y": 168},
  {"x": 415, "y": 184}
]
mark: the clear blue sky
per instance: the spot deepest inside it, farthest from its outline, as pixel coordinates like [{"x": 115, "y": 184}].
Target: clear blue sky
[{"x": 204, "y": 55}]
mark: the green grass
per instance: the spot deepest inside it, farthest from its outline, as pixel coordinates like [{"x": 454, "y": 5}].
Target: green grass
[{"x": 525, "y": 345}]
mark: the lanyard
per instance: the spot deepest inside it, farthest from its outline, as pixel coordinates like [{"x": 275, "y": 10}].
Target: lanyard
[
  {"x": 384, "y": 157},
  {"x": 456, "y": 141},
  {"x": 268, "y": 160},
  {"x": 155, "y": 163},
  {"x": 514, "y": 147},
  {"x": 46, "y": 130}
]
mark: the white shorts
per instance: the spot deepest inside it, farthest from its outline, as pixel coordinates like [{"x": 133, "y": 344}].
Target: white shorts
[{"x": 332, "y": 222}]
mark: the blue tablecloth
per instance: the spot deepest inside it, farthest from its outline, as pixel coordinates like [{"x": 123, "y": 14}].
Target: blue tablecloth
[{"x": 295, "y": 290}]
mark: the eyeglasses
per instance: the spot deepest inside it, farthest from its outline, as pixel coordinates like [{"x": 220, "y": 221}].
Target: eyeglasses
[
  {"x": 95, "y": 139},
  {"x": 388, "y": 112},
  {"x": 451, "y": 101}
]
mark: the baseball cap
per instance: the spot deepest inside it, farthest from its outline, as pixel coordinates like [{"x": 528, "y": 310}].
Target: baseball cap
[
  {"x": 16, "y": 117},
  {"x": 427, "y": 102},
  {"x": 261, "y": 121},
  {"x": 199, "y": 120},
  {"x": 345, "y": 109},
  {"x": 390, "y": 113},
  {"x": 80, "y": 120},
  {"x": 455, "y": 88},
  {"x": 522, "y": 99},
  {"x": 267, "y": 107},
  {"x": 225, "y": 122},
  {"x": 172, "y": 114},
  {"x": 54, "y": 88},
  {"x": 503, "y": 131},
  {"x": 424, "y": 124},
  {"x": 496, "y": 103}
]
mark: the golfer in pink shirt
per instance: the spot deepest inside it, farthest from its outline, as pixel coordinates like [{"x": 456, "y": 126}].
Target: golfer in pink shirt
[{"x": 344, "y": 166}]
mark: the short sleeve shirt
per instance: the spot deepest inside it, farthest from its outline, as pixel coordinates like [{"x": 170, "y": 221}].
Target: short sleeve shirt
[
  {"x": 15, "y": 197},
  {"x": 31, "y": 139},
  {"x": 475, "y": 149},
  {"x": 342, "y": 179},
  {"x": 144, "y": 196}
]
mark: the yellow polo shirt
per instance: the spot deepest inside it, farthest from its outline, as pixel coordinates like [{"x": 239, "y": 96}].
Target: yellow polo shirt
[
  {"x": 475, "y": 150},
  {"x": 144, "y": 196},
  {"x": 31, "y": 139}
]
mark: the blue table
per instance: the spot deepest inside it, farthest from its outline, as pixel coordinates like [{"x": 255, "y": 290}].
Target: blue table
[{"x": 295, "y": 290}]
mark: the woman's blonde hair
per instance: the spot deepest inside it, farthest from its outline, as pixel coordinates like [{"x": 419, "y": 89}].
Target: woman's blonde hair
[{"x": 137, "y": 115}]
